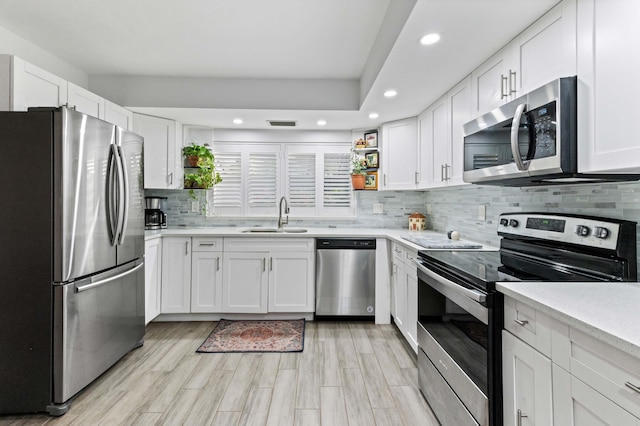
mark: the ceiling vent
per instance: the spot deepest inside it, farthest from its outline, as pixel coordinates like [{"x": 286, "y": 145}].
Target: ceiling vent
[{"x": 282, "y": 123}]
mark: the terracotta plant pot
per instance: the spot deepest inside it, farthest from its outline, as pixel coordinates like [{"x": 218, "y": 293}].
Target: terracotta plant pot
[
  {"x": 357, "y": 181},
  {"x": 192, "y": 160}
]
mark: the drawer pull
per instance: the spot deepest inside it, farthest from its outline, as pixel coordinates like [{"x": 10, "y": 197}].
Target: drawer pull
[
  {"x": 632, "y": 387},
  {"x": 521, "y": 322},
  {"x": 206, "y": 244},
  {"x": 520, "y": 417}
]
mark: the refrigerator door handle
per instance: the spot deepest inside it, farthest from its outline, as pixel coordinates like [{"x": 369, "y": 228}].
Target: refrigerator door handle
[
  {"x": 97, "y": 281},
  {"x": 111, "y": 200},
  {"x": 125, "y": 195},
  {"x": 119, "y": 195}
]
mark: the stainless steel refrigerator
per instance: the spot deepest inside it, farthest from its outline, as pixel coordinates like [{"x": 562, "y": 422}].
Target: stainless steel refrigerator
[{"x": 71, "y": 254}]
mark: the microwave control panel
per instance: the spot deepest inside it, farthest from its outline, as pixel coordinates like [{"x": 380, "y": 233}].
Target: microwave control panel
[{"x": 542, "y": 125}]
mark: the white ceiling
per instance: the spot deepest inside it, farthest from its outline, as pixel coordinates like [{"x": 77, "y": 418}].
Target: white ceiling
[{"x": 277, "y": 39}]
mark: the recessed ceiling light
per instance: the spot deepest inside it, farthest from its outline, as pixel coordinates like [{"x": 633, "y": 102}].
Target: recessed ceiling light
[
  {"x": 237, "y": 121},
  {"x": 430, "y": 39},
  {"x": 390, "y": 93},
  {"x": 373, "y": 115},
  {"x": 322, "y": 122}
]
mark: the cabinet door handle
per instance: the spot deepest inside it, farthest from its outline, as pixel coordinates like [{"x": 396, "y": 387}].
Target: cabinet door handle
[
  {"x": 441, "y": 172},
  {"x": 264, "y": 264},
  {"x": 521, "y": 322},
  {"x": 186, "y": 247},
  {"x": 416, "y": 177},
  {"x": 171, "y": 178},
  {"x": 385, "y": 179},
  {"x": 271, "y": 263},
  {"x": 503, "y": 85},
  {"x": 446, "y": 172},
  {"x": 512, "y": 82},
  {"x": 632, "y": 387},
  {"x": 520, "y": 417},
  {"x": 218, "y": 263}
]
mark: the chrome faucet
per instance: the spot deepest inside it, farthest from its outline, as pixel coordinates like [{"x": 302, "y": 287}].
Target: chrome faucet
[{"x": 282, "y": 221}]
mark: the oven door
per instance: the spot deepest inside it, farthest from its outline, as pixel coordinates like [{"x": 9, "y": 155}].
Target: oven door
[{"x": 458, "y": 339}]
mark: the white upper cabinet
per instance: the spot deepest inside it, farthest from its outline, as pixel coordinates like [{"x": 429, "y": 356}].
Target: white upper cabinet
[
  {"x": 162, "y": 151},
  {"x": 399, "y": 152},
  {"x": 608, "y": 67},
  {"x": 434, "y": 143},
  {"x": 547, "y": 49},
  {"x": 33, "y": 86},
  {"x": 460, "y": 112},
  {"x": 543, "y": 52},
  {"x": 493, "y": 81},
  {"x": 24, "y": 85},
  {"x": 441, "y": 141},
  {"x": 84, "y": 101},
  {"x": 118, "y": 115}
]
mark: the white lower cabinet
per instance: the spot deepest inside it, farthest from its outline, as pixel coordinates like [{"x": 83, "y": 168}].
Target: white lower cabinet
[
  {"x": 176, "y": 275},
  {"x": 277, "y": 278},
  {"x": 526, "y": 375},
  {"x": 244, "y": 282},
  {"x": 152, "y": 278},
  {"x": 404, "y": 285},
  {"x": 577, "y": 404},
  {"x": 556, "y": 374},
  {"x": 291, "y": 278},
  {"x": 206, "y": 275}
]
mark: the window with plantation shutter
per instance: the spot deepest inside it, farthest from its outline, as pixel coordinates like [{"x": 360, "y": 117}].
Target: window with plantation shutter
[
  {"x": 337, "y": 181},
  {"x": 315, "y": 178},
  {"x": 262, "y": 183},
  {"x": 301, "y": 179},
  {"x": 228, "y": 193}
]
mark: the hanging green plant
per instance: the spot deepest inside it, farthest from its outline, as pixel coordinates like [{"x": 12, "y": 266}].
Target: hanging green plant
[{"x": 201, "y": 160}]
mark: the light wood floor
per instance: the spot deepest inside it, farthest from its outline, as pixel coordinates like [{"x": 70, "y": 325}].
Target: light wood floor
[{"x": 349, "y": 374}]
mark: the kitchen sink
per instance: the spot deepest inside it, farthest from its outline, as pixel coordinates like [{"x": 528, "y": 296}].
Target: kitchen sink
[{"x": 274, "y": 230}]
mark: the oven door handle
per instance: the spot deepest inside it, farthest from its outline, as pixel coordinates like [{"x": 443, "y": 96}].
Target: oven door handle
[{"x": 471, "y": 294}]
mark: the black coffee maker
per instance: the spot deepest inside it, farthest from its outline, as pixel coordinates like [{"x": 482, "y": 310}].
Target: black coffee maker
[{"x": 154, "y": 218}]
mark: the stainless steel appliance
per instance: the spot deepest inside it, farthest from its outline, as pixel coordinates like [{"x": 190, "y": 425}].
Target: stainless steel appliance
[
  {"x": 154, "y": 217},
  {"x": 531, "y": 140},
  {"x": 345, "y": 276},
  {"x": 72, "y": 254},
  {"x": 460, "y": 315}
]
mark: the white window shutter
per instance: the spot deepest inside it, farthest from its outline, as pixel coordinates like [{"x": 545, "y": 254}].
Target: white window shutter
[
  {"x": 227, "y": 195},
  {"x": 337, "y": 181},
  {"x": 301, "y": 179},
  {"x": 262, "y": 184}
]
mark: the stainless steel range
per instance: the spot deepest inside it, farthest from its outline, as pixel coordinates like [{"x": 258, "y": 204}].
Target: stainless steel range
[{"x": 460, "y": 315}]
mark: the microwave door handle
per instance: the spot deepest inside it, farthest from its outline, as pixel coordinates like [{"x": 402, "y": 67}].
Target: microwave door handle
[{"x": 515, "y": 126}]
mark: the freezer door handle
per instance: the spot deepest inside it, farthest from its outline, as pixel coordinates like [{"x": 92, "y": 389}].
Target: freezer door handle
[{"x": 97, "y": 281}]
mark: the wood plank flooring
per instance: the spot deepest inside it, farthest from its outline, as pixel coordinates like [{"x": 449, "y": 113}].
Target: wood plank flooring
[{"x": 350, "y": 373}]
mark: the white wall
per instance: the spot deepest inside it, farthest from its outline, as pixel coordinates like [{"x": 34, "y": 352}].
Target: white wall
[
  {"x": 282, "y": 136},
  {"x": 12, "y": 44}
]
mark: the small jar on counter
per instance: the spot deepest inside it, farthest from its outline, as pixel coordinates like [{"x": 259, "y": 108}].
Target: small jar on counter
[{"x": 417, "y": 222}]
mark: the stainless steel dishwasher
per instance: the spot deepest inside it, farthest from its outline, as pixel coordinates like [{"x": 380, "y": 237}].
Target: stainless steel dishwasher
[{"x": 345, "y": 276}]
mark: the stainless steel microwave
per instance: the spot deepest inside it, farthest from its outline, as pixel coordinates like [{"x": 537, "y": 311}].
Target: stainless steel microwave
[{"x": 532, "y": 140}]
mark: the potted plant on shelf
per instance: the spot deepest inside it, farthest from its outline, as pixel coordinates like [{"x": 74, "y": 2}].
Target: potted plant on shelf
[
  {"x": 204, "y": 175},
  {"x": 358, "y": 175},
  {"x": 197, "y": 155}
]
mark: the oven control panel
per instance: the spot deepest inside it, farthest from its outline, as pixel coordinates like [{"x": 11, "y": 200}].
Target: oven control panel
[{"x": 590, "y": 232}]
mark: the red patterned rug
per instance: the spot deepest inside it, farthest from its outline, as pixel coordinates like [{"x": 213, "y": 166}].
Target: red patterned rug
[{"x": 255, "y": 336}]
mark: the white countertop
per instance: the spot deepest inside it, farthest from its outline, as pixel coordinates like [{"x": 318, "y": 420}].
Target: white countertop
[
  {"x": 392, "y": 234},
  {"x": 607, "y": 311}
]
